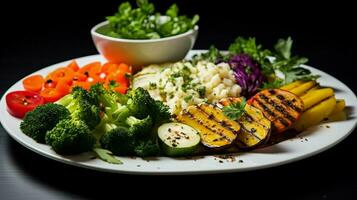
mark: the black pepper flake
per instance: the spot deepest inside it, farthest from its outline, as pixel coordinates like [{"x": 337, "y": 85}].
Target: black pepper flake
[
  {"x": 220, "y": 161},
  {"x": 306, "y": 139},
  {"x": 327, "y": 126},
  {"x": 169, "y": 130},
  {"x": 240, "y": 161},
  {"x": 138, "y": 165}
]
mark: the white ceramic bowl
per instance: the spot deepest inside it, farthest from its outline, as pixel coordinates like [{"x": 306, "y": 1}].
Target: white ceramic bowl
[{"x": 143, "y": 52}]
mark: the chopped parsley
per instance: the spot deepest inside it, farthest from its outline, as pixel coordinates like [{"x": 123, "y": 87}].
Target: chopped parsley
[
  {"x": 152, "y": 86},
  {"x": 201, "y": 91},
  {"x": 188, "y": 98}
]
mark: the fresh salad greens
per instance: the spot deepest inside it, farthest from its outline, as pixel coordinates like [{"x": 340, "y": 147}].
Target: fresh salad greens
[
  {"x": 144, "y": 22},
  {"x": 278, "y": 65}
]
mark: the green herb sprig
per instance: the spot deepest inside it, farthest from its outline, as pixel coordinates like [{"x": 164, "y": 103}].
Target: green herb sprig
[{"x": 235, "y": 111}]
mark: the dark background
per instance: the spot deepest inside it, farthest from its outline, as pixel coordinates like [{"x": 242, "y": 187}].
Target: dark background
[{"x": 37, "y": 34}]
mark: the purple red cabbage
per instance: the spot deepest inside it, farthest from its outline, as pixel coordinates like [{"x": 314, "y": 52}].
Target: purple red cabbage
[{"x": 247, "y": 74}]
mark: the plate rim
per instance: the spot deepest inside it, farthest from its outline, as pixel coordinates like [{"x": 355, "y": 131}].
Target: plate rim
[{"x": 145, "y": 172}]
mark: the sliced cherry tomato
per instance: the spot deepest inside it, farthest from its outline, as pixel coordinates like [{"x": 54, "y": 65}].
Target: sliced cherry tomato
[
  {"x": 79, "y": 77},
  {"x": 121, "y": 88},
  {"x": 49, "y": 84},
  {"x": 102, "y": 76},
  {"x": 20, "y": 102},
  {"x": 62, "y": 87},
  {"x": 82, "y": 84},
  {"x": 73, "y": 65},
  {"x": 50, "y": 94},
  {"x": 117, "y": 76},
  {"x": 61, "y": 73},
  {"x": 95, "y": 70},
  {"x": 124, "y": 68},
  {"x": 109, "y": 68},
  {"x": 90, "y": 68},
  {"x": 93, "y": 80},
  {"x": 33, "y": 83}
]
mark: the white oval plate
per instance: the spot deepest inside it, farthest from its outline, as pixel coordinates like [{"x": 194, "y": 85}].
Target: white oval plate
[{"x": 308, "y": 143}]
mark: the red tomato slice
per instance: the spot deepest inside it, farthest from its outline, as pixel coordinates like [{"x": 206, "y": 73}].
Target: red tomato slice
[{"x": 20, "y": 102}]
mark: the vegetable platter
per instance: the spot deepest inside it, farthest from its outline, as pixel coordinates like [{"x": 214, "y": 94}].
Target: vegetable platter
[{"x": 247, "y": 108}]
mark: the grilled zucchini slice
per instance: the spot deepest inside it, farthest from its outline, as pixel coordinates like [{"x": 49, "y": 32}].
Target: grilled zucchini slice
[
  {"x": 216, "y": 130},
  {"x": 255, "y": 128}
]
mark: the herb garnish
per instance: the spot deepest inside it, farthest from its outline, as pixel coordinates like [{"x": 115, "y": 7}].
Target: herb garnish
[
  {"x": 201, "y": 91},
  {"x": 152, "y": 86},
  {"x": 188, "y": 98},
  {"x": 235, "y": 110}
]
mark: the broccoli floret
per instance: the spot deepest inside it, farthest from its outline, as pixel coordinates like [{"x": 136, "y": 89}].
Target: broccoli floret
[
  {"x": 121, "y": 114},
  {"x": 83, "y": 95},
  {"x": 105, "y": 98},
  {"x": 42, "y": 119},
  {"x": 112, "y": 103},
  {"x": 139, "y": 128},
  {"x": 146, "y": 148},
  {"x": 140, "y": 102},
  {"x": 120, "y": 98},
  {"x": 160, "y": 113},
  {"x": 118, "y": 141},
  {"x": 70, "y": 136},
  {"x": 82, "y": 106},
  {"x": 129, "y": 124}
]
